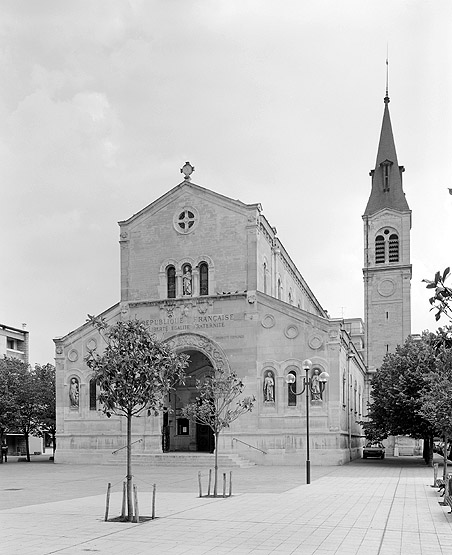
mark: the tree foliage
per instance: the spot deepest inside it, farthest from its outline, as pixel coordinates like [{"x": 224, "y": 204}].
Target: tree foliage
[
  {"x": 135, "y": 372},
  {"x": 442, "y": 299},
  {"x": 218, "y": 405},
  {"x": 27, "y": 398},
  {"x": 437, "y": 398},
  {"x": 8, "y": 407},
  {"x": 398, "y": 390}
]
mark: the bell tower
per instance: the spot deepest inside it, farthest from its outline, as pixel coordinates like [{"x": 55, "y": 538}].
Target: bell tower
[{"x": 387, "y": 267}]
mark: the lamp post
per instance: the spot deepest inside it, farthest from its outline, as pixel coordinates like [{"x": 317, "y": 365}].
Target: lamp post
[{"x": 310, "y": 387}]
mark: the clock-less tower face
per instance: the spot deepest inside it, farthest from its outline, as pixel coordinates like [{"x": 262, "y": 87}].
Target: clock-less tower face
[{"x": 387, "y": 283}]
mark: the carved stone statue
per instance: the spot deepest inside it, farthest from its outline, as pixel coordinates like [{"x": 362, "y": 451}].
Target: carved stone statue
[
  {"x": 186, "y": 281},
  {"x": 74, "y": 393},
  {"x": 316, "y": 392},
  {"x": 269, "y": 388}
]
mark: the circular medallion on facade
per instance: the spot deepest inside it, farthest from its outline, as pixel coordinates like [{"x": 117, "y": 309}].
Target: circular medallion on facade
[
  {"x": 291, "y": 331},
  {"x": 72, "y": 355},
  {"x": 268, "y": 321},
  {"x": 91, "y": 344},
  {"x": 315, "y": 342},
  {"x": 386, "y": 287},
  {"x": 185, "y": 220}
]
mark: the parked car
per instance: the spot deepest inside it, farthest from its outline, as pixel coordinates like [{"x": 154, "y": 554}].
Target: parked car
[{"x": 374, "y": 449}]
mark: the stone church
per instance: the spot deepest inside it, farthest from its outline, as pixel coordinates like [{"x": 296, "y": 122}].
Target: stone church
[{"x": 209, "y": 275}]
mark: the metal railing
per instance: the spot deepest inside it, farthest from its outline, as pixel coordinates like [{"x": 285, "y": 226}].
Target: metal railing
[
  {"x": 124, "y": 446},
  {"x": 248, "y": 445}
]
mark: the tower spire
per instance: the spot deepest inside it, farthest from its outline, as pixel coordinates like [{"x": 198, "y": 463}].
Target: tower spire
[{"x": 387, "y": 190}]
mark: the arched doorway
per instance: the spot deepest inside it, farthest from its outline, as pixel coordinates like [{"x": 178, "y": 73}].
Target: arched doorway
[{"x": 180, "y": 433}]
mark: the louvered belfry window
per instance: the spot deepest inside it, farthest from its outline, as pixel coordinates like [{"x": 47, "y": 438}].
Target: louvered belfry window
[
  {"x": 393, "y": 248},
  {"x": 379, "y": 249}
]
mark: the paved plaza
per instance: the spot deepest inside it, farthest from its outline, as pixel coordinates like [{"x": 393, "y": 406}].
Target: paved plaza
[{"x": 366, "y": 507}]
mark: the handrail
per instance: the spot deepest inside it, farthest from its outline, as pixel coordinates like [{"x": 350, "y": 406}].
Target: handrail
[
  {"x": 252, "y": 446},
  {"x": 124, "y": 446}
]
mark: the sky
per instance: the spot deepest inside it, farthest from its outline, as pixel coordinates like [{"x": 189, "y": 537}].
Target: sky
[{"x": 273, "y": 101}]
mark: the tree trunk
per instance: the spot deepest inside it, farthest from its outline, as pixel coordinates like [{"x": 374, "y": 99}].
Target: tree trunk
[
  {"x": 53, "y": 442},
  {"x": 427, "y": 452},
  {"x": 27, "y": 445},
  {"x": 129, "y": 469},
  {"x": 446, "y": 439},
  {"x": 215, "y": 481}
]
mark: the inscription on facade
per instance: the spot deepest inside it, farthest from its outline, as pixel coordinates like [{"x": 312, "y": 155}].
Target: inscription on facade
[{"x": 163, "y": 325}]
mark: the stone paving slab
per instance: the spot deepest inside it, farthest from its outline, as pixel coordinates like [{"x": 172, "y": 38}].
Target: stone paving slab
[{"x": 364, "y": 508}]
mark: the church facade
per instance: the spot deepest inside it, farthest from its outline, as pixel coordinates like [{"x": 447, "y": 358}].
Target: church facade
[{"x": 209, "y": 275}]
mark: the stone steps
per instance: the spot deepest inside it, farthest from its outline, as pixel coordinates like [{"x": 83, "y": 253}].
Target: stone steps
[{"x": 204, "y": 460}]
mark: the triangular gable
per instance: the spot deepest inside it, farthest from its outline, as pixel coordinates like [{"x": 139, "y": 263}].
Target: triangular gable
[{"x": 189, "y": 187}]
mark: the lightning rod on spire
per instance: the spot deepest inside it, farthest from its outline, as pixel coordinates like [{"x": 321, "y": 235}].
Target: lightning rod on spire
[{"x": 387, "y": 74}]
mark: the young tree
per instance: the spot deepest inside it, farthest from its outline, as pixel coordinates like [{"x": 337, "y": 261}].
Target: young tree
[
  {"x": 214, "y": 406},
  {"x": 397, "y": 393},
  {"x": 27, "y": 402},
  {"x": 45, "y": 389},
  {"x": 442, "y": 299},
  {"x": 135, "y": 372}
]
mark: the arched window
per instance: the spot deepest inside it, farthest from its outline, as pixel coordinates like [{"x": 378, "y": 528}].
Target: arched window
[
  {"x": 92, "y": 394},
  {"x": 203, "y": 279},
  {"x": 171, "y": 282},
  {"x": 279, "y": 289},
  {"x": 290, "y": 297},
  {"x": 379, "y": 249},
  {"x": 265, "y": 277},
  {"x": 393, "y": 247},
  {"x": 291, "y": 388}
]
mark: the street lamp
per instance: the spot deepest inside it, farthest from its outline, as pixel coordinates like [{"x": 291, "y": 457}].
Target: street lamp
[{"x": 316, "y": 387}]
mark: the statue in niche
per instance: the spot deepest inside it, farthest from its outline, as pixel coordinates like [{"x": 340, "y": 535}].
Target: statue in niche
[
  {"x": 269, "y": 388},
  {"x": 186, "y": 280},
  {"x": 316, "y": 392},
  {"x": 74, "y": 393}
]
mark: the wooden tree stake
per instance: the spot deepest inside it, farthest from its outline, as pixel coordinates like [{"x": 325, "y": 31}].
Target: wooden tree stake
[{"x": 107, "y": 504}]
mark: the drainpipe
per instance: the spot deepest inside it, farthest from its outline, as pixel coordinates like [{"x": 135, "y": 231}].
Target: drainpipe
[{"x": 349, "y": 408}]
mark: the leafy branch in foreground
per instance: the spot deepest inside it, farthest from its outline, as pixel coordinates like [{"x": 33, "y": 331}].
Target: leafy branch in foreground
[{"x": 442, "y": 299}]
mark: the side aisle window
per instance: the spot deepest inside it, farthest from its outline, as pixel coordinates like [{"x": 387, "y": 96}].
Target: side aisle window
[
  {"x": 171, "y": 282},
  {"x": 203, "y": 279}
]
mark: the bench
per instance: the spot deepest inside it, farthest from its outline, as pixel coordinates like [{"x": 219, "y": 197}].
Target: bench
[
  {"x": 448, "y": 501},
  {"x": 441, "y": 484}
]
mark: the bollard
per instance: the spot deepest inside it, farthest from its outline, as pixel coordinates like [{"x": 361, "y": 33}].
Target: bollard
[
  {"x": 435, "y": 474},
  {"x": 135, "y": 499},
  {"x": 199, "y": 484},
  {"x": 210, "y": 482},
  {"x": 153, "y": 501},
  {"x": 124, "y": 496},
  {"x": 224, "y": 484},
  {"x": 230, "y": 483},
  {"x": 107, "y": 504}
]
